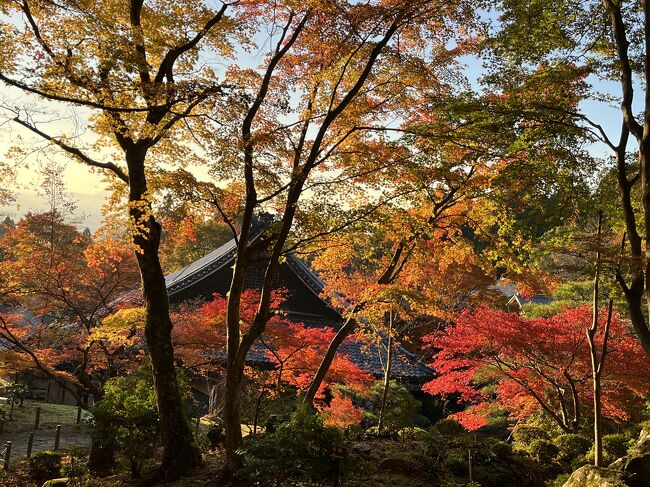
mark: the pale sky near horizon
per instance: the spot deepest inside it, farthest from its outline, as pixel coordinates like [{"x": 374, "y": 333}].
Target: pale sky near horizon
[{"x": 87, "y": 186}]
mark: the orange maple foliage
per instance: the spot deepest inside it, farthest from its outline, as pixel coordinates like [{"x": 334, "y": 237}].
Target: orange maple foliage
[
  {"x": 63, "y": 284},
  {"x": 342, "y": 412}
]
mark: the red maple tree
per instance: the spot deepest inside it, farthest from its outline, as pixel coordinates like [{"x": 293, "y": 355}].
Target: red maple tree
[
  {"x": 60, "y": 284},
  {"x": 491, "y": 357},
  {"x": 342, "y": 412},
  {"x": 295, "y": 350}
]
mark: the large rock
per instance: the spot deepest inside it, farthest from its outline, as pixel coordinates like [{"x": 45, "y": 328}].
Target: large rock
[
  {"x": 638, "y": 469},
  {"x": 637, "y": 463},
  {"x": 361, "y": 448},
  {"x": 632, "y": 470},
  {"x": 642, "y": 445},
  {"x": 57, "y": 482},
  {"x": 590, "y": 476}
]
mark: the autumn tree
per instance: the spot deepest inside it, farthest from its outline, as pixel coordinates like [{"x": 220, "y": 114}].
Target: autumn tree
[
  {"x": 465, "y": 213},
  {"x": 292, "y": 348},
  {"x": 310, "y": 116},
  {"x": 544, "y": 364},
  {"x": 134, "y": 69},
  {"x": 7, "y": 225},
  {"x": 61, "y": 285},
  {"x": 289, "y": 352},
  {"x": 189, "y": 233}
]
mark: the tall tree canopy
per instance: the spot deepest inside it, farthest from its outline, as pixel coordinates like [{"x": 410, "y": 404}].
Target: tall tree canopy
[{"x": 606, "y": 40}]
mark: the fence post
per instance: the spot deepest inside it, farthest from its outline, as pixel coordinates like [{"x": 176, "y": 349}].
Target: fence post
[
  {"x": 38, "y": 417},
  {"x": 57, "y": 437},
  {"x": 7, "y": 454},
  {"x": 30, "y": 443},
  {"x": 2, "y": 425},
  {"x": 78, "y": 414}
]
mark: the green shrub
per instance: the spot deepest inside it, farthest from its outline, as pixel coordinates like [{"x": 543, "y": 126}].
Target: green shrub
[
  {"x": 457, "y": 483},
  {"x": 524, "y": 435},
  {"x": 45, "y": 465},
  {"x": 258, "y": 404},
  {"x": 127, "y": 415},
  {"x": 614, "y": 446},
  {"x": 617, "y": 445},
  {"x": 449, "y": 427},
  {"x": 495, "y": 465},
  {"x": 457, "y": 462},
  {"x": 413, "y": 433},
  {"x": 559, "y": 481},
  {"x": 544, "y": 451},
  {"x": 372, "y": 431},
  {"x": 501, "y": 450},
  {"x": 201, "y": 439},
  {"x": 434, "y": 447},
  {"x": 402, "y": 409},
  {"x": 75, "y": 469},
  {"x": 299, "y": 448},
  {"x": 571, "y": 446},
  {"x": 497, "y": 475}
]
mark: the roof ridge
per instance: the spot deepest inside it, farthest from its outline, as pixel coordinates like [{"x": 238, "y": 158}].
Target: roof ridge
[{"x": 215, "y": 260}]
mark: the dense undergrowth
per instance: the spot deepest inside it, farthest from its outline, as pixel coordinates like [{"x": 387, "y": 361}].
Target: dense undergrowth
[{"x": 299, "y": 453}]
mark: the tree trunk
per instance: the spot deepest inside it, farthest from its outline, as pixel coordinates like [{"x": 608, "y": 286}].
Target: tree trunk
[
  {"x": 180, "y": 453},
  {"x": 598, "y": 433},
  {"x": 135, "y": 468},
  {"x": 345, "y": 331},
  {"x": 640, "y": 265},
  {"x": 597, "y": 362},
  {"x": 232, "y": 421},
  {"x": 258, "y": 410},
  {"x": 389, "y": 357},
  {"x": 232, "y": 397}
]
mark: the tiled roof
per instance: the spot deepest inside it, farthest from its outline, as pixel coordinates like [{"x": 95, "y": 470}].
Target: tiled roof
[
  {"x": 206, "y": 265},
  {"x": 306, "y": 274},
  {"x": 213, "y": 261},
  {"x": 536, "y": 299},
  {"x": 370, "y": 357}
]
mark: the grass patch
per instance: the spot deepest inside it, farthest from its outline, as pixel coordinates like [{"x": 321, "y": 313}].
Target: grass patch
[{"x": 51, "y": 415}]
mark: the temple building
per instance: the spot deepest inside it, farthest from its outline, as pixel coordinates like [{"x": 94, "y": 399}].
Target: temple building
[{"x": 304, "y": 304}]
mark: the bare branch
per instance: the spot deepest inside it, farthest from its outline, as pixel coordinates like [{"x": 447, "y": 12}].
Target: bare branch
[
  {"x": 167, "y": 64},
  {"x": 119, "y": 172}
]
